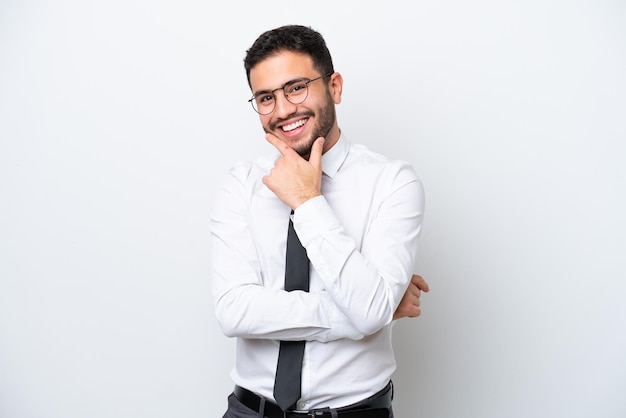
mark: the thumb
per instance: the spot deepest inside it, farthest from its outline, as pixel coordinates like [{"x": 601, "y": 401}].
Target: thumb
[{"x": 315, "y": 159}]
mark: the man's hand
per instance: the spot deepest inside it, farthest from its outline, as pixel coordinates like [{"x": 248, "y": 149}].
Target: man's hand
[
  {"x": 293, "y": 179},
  {"x": 410, "y": 304}
]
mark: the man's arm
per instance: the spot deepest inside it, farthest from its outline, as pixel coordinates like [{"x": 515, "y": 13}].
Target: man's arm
[
  {"x": 297, "y": 181},
  {"x": 248, "y": 302}
]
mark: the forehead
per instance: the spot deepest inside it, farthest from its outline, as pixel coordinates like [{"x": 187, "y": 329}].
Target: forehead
[{"x": 277, "y": 69}]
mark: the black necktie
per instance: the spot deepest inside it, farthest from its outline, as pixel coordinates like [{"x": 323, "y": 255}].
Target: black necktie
[{"x": 290, "y": 354}]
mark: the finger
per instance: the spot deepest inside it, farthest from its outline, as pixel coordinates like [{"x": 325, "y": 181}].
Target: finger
[
  {"x": 279, "y": 161},
  {"x": 419, "y": 281},
  {"x": 283, "y": 148},
  {"x": 267, "y": 180},
  {"x": 315, "y": 159}
]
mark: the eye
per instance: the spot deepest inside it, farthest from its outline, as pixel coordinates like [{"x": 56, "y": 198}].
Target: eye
[
  {"x": 265, "y": 99},
  {"x": 297, "y": 88}
]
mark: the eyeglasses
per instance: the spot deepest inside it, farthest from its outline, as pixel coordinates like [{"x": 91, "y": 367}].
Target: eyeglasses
[{"x": 296, "y": 92}]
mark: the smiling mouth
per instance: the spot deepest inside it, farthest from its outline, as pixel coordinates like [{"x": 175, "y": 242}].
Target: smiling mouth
[{"x": 294, "y": 125}]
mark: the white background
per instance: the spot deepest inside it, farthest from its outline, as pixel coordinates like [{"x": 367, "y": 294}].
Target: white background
[{"x": 117, "y": 118}]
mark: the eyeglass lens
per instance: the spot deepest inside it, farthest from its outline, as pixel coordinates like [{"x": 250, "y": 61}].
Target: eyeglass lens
[{"x": 295, "y": 93}]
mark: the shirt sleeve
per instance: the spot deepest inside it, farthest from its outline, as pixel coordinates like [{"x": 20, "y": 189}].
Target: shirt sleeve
[
  {"x": 243, "y": 306},
  {"x": 367, "y": 283}
]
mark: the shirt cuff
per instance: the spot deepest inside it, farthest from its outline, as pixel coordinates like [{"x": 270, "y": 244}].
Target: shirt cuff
[{"x": 312, "y": 218}]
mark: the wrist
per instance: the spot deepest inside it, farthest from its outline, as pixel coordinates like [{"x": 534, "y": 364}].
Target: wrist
[{"x": 303, "y": 199}]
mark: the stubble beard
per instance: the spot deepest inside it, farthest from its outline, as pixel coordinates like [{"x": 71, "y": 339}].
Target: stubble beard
[
  {"x": 326, "y": 116},
  {"x": 326, "y": 121}
]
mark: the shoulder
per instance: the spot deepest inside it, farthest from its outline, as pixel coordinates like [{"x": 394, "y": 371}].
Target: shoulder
[
  {"x": 242, "y": 183},
  {"x": 363, "y": 156},
  {"x": 246, "y": 171}
]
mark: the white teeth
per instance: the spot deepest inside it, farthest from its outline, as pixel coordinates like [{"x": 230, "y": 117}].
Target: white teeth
[{"x": 294, "y": 125}]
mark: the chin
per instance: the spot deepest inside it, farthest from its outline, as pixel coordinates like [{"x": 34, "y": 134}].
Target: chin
[{"x": 304, "y": 149}]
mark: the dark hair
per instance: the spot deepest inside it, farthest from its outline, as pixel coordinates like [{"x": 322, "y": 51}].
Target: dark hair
[{"x": 295, "y": 38}]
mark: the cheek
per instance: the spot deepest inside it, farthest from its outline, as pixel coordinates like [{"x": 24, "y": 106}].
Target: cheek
[{"x": 265, "y": 120}]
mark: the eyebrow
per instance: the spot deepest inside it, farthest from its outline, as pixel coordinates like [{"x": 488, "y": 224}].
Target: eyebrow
[{"x": 295, "y": 80}]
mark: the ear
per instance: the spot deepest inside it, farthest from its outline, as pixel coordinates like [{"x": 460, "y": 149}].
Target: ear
[{"x": 335, "y": 87}]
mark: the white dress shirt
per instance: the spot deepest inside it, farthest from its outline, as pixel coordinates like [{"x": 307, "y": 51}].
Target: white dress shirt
[{"x": 361, "y": 236}]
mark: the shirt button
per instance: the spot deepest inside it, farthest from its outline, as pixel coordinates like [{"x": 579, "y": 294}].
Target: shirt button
[{"x": 302, "y": 405}]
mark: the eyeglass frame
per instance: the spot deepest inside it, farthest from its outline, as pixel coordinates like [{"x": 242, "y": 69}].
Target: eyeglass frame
[{"x": 273, "y": 92}]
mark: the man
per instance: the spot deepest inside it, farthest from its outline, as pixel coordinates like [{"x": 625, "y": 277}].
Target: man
[{"x": 357, "y": 214}]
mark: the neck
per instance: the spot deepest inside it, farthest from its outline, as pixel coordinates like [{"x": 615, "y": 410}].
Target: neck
[{"x": 332, "y": 138}]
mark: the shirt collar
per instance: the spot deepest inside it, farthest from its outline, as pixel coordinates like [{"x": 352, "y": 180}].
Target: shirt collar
[{"x": 334, "y": 157}]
